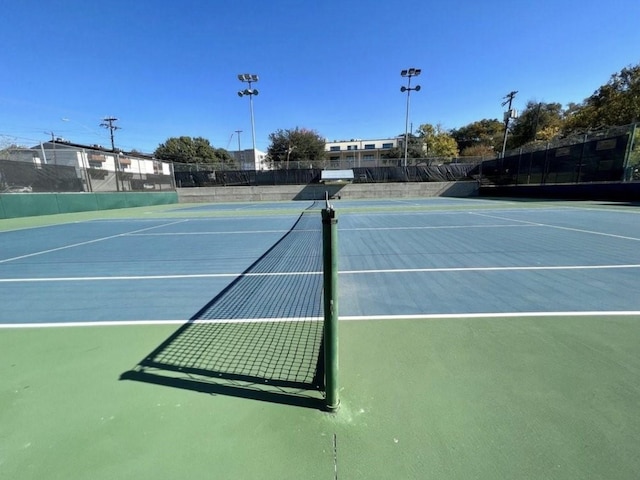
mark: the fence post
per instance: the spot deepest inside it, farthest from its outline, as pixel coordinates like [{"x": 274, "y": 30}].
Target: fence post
[{"x": 627, "y": 168}]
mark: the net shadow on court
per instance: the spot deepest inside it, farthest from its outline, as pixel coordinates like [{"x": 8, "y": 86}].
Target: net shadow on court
[{"x": 261, "y": 337}]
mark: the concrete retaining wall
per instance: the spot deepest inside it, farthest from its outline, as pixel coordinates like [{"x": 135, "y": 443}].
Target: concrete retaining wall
[{"x": 317, "y": 192}]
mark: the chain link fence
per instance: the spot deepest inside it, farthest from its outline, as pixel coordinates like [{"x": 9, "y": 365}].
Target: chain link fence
[
  {"x": 202, "y": 175},
  {"x": 607, "y": 155}
]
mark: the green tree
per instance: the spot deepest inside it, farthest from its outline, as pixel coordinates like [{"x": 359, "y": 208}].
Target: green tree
[
  {"x": 192, "y": 150},
  {"x": 481, "y": 138},
  {"x": 539, "y": 121},
  {"x": 478, "y": 151},
  {"x": 437, "y": 142},
  {"x": 615, "y": 103},
  {"x": 414, "y": 149},
  {"x": 296, "y": 147}
]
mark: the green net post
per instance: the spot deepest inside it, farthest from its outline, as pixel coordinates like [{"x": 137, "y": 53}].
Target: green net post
[{"x": 330, "y": 262}]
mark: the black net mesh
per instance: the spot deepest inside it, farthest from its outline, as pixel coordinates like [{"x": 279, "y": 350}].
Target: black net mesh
[{"x": 264, "y": 330}]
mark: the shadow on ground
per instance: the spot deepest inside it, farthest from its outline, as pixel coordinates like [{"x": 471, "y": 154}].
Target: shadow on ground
[{"x": 261, "y": 337}]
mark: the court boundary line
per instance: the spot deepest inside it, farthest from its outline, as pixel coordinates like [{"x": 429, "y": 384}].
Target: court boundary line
[
  {"x": 354, "y": 229},
  {"x": 346, "y": 318},
  {"x": 319, "y": 272},
  {"x": 559, "y": 227},
  {"x": 230, "y": 232}
]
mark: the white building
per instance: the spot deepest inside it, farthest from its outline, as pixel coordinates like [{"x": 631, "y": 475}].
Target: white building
[
  {"x": 93, "y": 167},
  {"x": 251, "y": 159}
]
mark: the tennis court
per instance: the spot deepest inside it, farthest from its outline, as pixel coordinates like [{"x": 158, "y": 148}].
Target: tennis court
[{"x": 478, "y": 339}]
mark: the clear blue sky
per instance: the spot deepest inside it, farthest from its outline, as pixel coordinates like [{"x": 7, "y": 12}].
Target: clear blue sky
[{"x": 168, "y": 68}]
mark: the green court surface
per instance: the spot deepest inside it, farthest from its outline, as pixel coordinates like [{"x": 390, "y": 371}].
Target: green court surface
[
  {"x": 527, "y": 398},
  {"x": 478, "y": 340}
]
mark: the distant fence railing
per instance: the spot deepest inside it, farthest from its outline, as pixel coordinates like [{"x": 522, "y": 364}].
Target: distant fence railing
[{"x": 80, "y": 170}]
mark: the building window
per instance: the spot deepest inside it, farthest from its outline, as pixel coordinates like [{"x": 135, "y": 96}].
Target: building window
[
  {"x": 352, "y": 147},
  {"x": 368, "y": 157},
  {"x": 335, "y": 161},
  {"x": 387, "y": 145},
  {"x": 369, "y": 146},
  {"x": 334, "y": 148}
]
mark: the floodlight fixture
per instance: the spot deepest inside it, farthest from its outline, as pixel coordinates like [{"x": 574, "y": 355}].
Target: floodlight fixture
[
  {"x": 248, "y": 77},
  {"x": 411, "y": 72}
]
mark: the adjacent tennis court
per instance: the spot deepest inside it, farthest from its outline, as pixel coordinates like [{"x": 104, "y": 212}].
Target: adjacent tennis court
[{"x": 478, "y": 339}]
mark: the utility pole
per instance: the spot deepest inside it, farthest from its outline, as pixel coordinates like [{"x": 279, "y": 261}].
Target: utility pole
[
  {"x": 508, "y": 115},
  {"x": 53, "y": 143},
  {"x": 238, "y": 132},
  {"x": 108, "y": 124}
]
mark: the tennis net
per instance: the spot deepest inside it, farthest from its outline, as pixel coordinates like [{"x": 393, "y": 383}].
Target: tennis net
[{"x": 264, "y": 330}]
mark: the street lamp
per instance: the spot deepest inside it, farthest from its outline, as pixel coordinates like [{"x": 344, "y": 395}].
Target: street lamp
[
  {"x": 410, "y": 72},
  {"x": 250, "y": 78}
]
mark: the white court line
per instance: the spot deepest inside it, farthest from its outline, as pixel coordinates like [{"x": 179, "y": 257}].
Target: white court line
[
  {"x": 459, "y": 211},
  {"x": 445, "y": 316},
  {"x": 490, "y": 269},
  {"x": 43, "y": 252},
  {"x": 156, "y": 277},
  {"x": 232, "y": 232},
  {"x": 592, "y": 232},
  {"x": 293, "y": 274},
  {"x": 440, "y": 227},
  {"x": 443, "y": 227},
  {"x": 425, "y": 316},
  {"x": 129, "y": 323}
]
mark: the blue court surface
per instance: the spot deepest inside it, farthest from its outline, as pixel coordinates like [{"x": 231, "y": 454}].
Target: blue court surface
[{"x": 421, "y": 257}]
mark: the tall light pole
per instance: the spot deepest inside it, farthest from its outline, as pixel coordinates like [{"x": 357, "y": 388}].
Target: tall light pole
[
  {"x": 250, "y": 78},
  {"x": 408, "y": 73}
]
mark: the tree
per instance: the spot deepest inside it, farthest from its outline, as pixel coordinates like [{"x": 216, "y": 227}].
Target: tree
[
  {"x": 414, "y": 148},
  {"x": 615, "y": 103},
  {"x": 192, "y": 150},
  {"x": 478, "y": 151},
  {"x": 539, "y": 121},
  {"x": 437, "y": 142},
  {"x": 481, "y": 138},
  {"x": 292, "y": 147}
]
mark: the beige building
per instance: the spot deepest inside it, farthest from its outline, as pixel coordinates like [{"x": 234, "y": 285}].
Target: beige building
[{"x": 359, "y": 153}]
